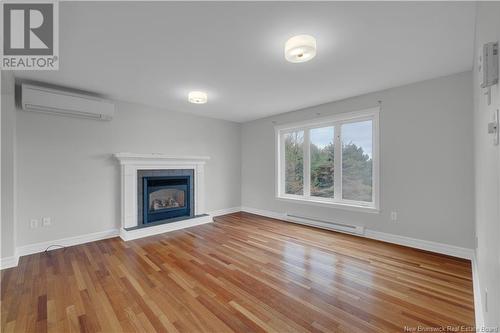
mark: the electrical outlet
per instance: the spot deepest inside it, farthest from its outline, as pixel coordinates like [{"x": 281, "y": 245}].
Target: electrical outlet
[
  {"x": 33, "y": 223},
  {"x": 46, "y": 221},
  {"x": 394, "y": 216}
]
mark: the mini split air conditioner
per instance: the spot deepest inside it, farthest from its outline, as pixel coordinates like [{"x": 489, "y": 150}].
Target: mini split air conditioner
[{"x": 62, "y": 103}]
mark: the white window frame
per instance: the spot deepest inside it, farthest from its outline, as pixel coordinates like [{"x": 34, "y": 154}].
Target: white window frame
[{"x": 335, "y": 121}]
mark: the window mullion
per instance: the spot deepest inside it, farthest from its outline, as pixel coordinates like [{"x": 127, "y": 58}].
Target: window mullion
[
  {"x": 307, "y": 163},
  {"x": 337, "y": 164},
  {"x": 282, "y": 164}
]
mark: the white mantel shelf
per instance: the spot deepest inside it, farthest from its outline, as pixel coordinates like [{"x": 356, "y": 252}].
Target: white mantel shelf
[
  {"x": 155, "y": 158},
  {"x": 131, "y": 163}
]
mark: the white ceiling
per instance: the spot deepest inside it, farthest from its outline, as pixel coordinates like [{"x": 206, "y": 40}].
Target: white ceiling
[{"x": 154, "y": 53}]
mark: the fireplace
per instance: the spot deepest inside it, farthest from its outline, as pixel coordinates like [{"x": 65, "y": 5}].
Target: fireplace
[
  {"x": 161, "y": 193},
  {"x": 165, "y": 195}
]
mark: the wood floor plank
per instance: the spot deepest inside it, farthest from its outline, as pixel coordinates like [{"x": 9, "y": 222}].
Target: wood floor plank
[{"x": 242, "y": 273}]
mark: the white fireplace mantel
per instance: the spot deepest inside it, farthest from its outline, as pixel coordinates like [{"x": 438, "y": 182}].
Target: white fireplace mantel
[
  {"x": 157, "y": 158},
  {"x": 131, "y": 163}
]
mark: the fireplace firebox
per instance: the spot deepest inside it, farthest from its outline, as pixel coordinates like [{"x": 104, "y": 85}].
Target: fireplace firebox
[{"x": 165, "y": 195}]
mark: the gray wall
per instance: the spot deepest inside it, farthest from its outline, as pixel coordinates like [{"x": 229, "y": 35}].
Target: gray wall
[
  {"x": 7, "y": 248},
  {"x": 65, "y": 169},
  {"x": 426, "y": 161},
  {"x": 487, "y": 174}
]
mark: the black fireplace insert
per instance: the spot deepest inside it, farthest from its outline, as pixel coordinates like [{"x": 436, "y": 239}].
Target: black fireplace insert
[{"x": 165, "y": 194}]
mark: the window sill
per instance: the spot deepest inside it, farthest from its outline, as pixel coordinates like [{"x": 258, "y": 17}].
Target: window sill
[{"x": 356, "y": 208}]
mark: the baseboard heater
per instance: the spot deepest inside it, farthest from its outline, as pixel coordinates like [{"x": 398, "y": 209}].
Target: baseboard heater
[{"x": 346, "y": 228}]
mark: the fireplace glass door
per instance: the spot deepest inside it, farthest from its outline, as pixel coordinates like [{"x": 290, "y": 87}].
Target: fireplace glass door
[
  {"x": 165, "y": 198},
  {"x": 169, "y": 197}
]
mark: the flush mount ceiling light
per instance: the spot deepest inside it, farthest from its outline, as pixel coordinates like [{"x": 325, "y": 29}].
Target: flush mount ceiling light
[
  {"x": 197, "y": 97},
  {"x": 300, "y": 48}
]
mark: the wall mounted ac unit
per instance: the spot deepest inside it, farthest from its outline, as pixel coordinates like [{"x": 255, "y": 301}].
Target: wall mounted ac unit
[{"x": 62, "y": 103}]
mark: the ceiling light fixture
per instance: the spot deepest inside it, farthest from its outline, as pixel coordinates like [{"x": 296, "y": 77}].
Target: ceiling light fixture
[
  {"x": 197, "y": 97},
  {"x": 300, "y": 48}
]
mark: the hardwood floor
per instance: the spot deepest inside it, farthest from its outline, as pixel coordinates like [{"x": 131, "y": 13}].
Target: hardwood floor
[{"x": 243, "y": 273}]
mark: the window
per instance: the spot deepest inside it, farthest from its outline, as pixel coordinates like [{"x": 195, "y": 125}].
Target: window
[
  {"x": 294, "y": 159},
  {"x": 332, "y": 161},
  {"x": 322, "y": 167}
]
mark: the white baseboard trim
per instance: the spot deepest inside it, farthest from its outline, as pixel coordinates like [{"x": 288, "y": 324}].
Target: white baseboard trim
[
  {"x": 224, "y": 211},
  {"x": 162, "y": 228},
  {"x": 266, "y": 213},
  {"x": 139, "y": 233},
  {"x": 451, "y": 250},
  {"x": 441, "y": 248},
  {"x": 70, "y": 241},
  {"x": 478, "y": 305},
  {"x": 8, "y": 262}
]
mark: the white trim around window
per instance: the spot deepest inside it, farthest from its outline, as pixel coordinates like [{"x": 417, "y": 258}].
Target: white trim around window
[{"x": 336, "y": 121}]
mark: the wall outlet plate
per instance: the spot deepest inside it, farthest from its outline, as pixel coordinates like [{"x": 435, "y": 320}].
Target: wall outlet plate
[
  {"x": 493, "y": 127},
  {"x": 394, "y": 216},
  {"x": 33, "y": 223},
  {"x": 46, "y": 221}
]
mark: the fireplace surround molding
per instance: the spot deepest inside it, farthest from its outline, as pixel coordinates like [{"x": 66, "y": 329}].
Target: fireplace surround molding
[{"x": 131, "y": 163}]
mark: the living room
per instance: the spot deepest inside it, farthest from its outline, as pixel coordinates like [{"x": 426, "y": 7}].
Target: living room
[{"x": 250, "y": 166}]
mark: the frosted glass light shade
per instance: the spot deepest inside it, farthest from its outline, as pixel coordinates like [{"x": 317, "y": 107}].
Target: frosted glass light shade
[
  {"x": 300, "y": 48},
  {"x": 197, "y": 97}
]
